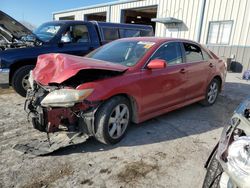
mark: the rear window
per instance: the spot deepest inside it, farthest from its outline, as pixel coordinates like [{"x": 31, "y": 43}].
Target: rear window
[
  {"x": 145, "y": 33},
  {"x": 129, "y": 33},
  {"x": 135, "y": 33},
  {"x": 110, "y": 34}
]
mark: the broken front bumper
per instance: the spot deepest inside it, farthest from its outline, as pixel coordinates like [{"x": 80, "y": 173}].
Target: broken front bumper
[{"x": 78, "y": 118}]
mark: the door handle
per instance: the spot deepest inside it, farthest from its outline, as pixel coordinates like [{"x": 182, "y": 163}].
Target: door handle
[
  {"x": 211, "y": 65},
  {"x": 183, "y": 71}
]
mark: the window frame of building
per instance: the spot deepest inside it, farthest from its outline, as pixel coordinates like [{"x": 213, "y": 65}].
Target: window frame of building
[{"x": 220, "y": 32}]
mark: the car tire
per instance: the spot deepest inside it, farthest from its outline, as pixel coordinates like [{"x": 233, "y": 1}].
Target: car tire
[
  {"x": 112, "y": 120},
  {"x": 212, "y": 93},
  {"x": 20, "y": 79},
  {"x": 213, "y": 175}
]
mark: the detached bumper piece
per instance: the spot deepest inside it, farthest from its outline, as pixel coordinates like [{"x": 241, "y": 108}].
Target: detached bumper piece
[
  {"x": 64, "y": 126},
  {"x": 41, "y": 146}
]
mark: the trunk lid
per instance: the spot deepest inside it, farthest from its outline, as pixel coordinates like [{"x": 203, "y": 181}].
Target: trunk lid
[{"x": 56, "y": 68}]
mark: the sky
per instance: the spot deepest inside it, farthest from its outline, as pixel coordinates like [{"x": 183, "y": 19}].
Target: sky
[{"x": 37, "y": 12}]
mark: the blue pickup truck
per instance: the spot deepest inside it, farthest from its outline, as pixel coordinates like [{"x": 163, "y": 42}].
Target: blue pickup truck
[{"x": 19, "y": 47}]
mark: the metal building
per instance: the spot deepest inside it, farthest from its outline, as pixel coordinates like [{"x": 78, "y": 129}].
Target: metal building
[{"x": 222, "y": 25}]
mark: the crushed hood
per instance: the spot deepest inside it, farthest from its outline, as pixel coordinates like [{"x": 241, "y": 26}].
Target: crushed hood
[
  {"x": 56, "y": 68},
  {"x": 10, "y": 28}
]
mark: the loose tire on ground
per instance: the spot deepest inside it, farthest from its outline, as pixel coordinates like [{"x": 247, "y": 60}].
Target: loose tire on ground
[
  {"x": 213, "y": 175},
  {"x": 206, "y": 102},
  {"x": 106, "y": 114},
  {"x": 18, "y": 79}
]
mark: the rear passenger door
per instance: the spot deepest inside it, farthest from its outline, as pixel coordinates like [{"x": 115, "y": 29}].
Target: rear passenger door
[{"x": 198, "y": 71}]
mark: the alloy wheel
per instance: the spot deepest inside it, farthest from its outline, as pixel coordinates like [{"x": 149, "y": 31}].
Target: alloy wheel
[
  {"x": 25, "y": 82},
  {"x": 212, "y": 92},
  {"x": 118, "y": 121}
]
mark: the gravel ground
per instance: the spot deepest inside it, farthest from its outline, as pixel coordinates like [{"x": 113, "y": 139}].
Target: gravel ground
[{"x": 167, "y": 151}]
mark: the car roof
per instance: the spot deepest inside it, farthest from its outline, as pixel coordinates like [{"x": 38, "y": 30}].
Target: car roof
[
  {"x": 102, "y": 24},
  {"x": 122, "y": 25},
  {"x": 65, "y": 21},
  {"x": 157, "y": 39}
]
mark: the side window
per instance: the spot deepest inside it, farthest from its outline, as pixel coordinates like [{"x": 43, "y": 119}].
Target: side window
[
  {"x": 170, "y": 52},
  {"x": 129, "y": 33},
  {"x": 76, "y": 34},
  {"x": 206, "y": 56},
  {"x": 193, "y": 52},
  {"x": 110, "y": 34}
]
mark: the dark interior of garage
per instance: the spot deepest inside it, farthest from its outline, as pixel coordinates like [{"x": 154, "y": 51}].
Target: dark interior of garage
[
  {"x": 140, "y": 15},
  {"x": 101, "y": 16},
  {"x": 67, "y": 18}
]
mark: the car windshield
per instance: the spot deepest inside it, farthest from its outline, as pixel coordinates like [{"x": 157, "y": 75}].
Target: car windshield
[
  {"x": 47, "y": 31},
  {"x": 127, "y": 53}
]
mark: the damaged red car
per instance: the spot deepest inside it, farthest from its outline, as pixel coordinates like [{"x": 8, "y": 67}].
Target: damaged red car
[{"x": 128, "y": 80}]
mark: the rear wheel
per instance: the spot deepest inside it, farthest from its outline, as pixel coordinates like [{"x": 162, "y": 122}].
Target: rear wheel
[
  {"x": 20, "y": 80},
  {"x": 212, "y": 92},
  {"x": 112, "y": 120},
  {"x": 213, "y": 175}
]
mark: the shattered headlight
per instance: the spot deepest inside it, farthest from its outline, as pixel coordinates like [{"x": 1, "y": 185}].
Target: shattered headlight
[{"x": 65, "y": 97}]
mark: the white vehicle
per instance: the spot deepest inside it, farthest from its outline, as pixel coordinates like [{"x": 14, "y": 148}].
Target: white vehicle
[{"x": 229, "y": 164}]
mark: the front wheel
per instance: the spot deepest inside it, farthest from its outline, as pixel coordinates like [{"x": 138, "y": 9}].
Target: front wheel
[
  {"x": 112, "y": 120},
  {"x": 20, "y": 80},
  {"x": 213, "y": 175}
]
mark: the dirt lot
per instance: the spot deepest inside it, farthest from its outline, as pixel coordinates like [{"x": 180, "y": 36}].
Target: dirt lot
[{"x": 168, "y": 151}]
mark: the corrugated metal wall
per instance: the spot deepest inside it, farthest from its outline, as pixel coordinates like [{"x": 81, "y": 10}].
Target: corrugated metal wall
[
  {"x": 96, "y": 10},
  {"x": 188, "y": 12},
  {"x": 238, "y": 12}
]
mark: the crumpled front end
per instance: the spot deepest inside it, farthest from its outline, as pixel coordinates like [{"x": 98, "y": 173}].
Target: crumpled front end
[
  {"x": 55, "y": 101},
  {"x": 57, "y": 108},
  {"x": 234, "y": 148}
]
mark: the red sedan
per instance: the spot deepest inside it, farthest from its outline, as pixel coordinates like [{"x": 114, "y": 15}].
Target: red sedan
[{"x": 128, "y": 80}]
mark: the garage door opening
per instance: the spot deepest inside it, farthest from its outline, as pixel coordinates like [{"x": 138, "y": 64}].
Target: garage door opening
[
  {"x": 67, "y": 18},
  {"x": 100, "y": 16},
  {"x": 141, "y": 15}
]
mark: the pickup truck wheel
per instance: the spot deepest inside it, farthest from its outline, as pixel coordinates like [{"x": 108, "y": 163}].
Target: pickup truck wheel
[
  {"x": 212, "y": 92},
  {"x": 20, "y": 81},
  {"x": 112, "y": 120}
]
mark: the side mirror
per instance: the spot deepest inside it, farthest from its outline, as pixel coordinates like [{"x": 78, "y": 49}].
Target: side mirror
[{"x": 157, "y": 64}]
